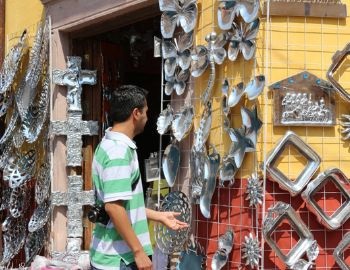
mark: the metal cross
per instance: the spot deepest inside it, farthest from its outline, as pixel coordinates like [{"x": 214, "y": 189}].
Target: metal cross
[
  {"x": 74, "y": 77},
  {"x": 73, "y": 253},
  {"x": 75, "y": 198},
  {"x": 74, "y": 128}
]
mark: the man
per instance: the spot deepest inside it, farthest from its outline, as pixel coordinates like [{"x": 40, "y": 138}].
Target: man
[{"x": 124, "y": 243}]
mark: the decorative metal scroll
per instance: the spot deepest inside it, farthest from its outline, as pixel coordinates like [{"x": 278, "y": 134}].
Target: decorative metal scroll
[
  {"x": 303, "y": 100},
  {"x": 75, "y": 198},
  {"x": 338, "y": 252},
  {"x": 251, "y": 251},
  {"x": 74, "y": 77},
  {"x": 275, "y": 217},
  {"x": 74, "y": 128}
]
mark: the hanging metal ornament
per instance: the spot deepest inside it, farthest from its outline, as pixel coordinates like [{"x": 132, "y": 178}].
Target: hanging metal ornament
[
  {"x": 193, "y": 257},
  {"x": 229, "y": 9},
  {"x": 202, "y": 133},
  {"x": 10, "y": 127},
  {"x": 177, "y": 13},
  {"x": 170, "y": 241},
  {"x": 219, "y": 260},
  {"x": 37, "y": 61},
  {"x": 5, "y": 102},
  {"x": 43, "y": 183},
  {"x": 34, "y": 243},
  {"x": 252, "y": 123},
  {"x": 171, "y": 163},
  {"x": 338, "y": 252},
  {"x": 40, "y": 216},
  {"x": 182, "y": 122},
  {"x": 242, "y": 39},
  {"x": 177, "y": 53},
  {"x": 225, "y": 242},
  {"x": 164, "y": 120},
  {"x": 17, "y": 136},
  {"x": 254, "y": 191},
  {"x": 227, "y": 171},
  {"x": 240, "y": 145},
  {"x": 19, "y": 201},
  {"x": 20, "y": 170},
  {"x": 251, "y": 251},
  {"x": 177, "y": 82},
  {"x": 209, "y": 185},
  {"x": 345, "y": 123},
  {"x": 6, "y": 151},
  {"x": 204, "y": 56},
  {"x": 11, "y": 64},
  {"x": 198, "y": 162}
]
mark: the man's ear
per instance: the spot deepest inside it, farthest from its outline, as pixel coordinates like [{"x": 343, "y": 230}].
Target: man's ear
[{"x": 135, "y": 113}]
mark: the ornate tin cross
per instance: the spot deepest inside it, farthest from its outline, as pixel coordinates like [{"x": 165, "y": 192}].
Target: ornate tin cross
[
  {"x": 73, "y": 253},
  {"x": 74, "y": 128},
  {"x": 75, "y": 198},
  {"x": 74, "y": 77}
]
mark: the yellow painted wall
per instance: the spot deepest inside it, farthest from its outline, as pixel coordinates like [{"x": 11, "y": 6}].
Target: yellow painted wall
[
  {"x": 285, "y": 46},
  {"x": 20, "y": 15}
]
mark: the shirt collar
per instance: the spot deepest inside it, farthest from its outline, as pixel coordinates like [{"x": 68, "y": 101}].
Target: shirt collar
[{"x": 118, "y": 136}]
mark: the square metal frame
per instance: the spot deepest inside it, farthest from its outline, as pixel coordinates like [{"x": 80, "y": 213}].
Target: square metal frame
[
  {"x": 294, "y": 187},
  {"x": 339, "y": 251},
  {"x": 339, "y": 217}
]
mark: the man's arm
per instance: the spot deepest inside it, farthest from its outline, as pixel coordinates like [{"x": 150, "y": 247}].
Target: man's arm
[
  {"x": 167, "y": 218},
  {"x": 120, "y": 219}
]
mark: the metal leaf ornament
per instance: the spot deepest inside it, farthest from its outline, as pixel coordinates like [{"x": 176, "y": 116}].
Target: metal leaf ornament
[
  {"x": 177, "y": 13},
  {"x": 182, "y": 123},
  {"x": 177, "y": 82},
  {"x": 204, "y": 56},
  {"x": 177, "y": 52},
  {"x": 18, "y": 201},
  {"x": 242, "y": 39},
  {"x": 229, "y": 9},
  {"x": 33, "y": 244},
  {"x": 251, "y": 251},
  {"x": 40, "y": 217},
  {"x": 164, "y": 120}
]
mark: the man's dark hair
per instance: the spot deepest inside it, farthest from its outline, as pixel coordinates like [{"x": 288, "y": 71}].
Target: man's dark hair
[{"x": 124, "y": 100}]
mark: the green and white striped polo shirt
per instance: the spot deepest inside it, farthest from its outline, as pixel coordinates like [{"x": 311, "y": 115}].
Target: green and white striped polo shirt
[{"x": 115, "y": 167}]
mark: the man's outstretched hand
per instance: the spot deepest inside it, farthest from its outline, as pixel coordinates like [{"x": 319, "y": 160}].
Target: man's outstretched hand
[{"x": 169, "y": 220}]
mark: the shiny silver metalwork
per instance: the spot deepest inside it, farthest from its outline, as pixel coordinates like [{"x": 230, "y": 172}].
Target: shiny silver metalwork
[
  {"x": 227, "y": 171},
  {"x": 5, "y": 198},
  {"x": 18, "y": 201},
  {"x": 235, "y": 95},
  {"x": 198, "y": 162},
  {"x": 40, "y": 216},
  {"x": 193, "y": 257},
  {"x": 18, "y": 137},
  {"x": 345, "y": 123},
  {"x": 202, "y": 133},
  {"x": 170, "y": 241},
  {"x": 38, "y": 61},
  {"x": 338, "y": 252},
  {"x": 177, "y": 13},
  {"x": 73, "y": 253},
  {"x": 74, "y": 128},
  {"x": 211, "y": 168},
  {"x": 171, "y": 163},
  {"x": 337, "y": 61},
  {"x": 224, "y": 91},
  {"x": 229, "y": 9},
  {"x": 20, "y": 170},
  {"x": 242, "y": 39},
  {"x": 219, "y": 260},
  {"x": 251, "y": 251},
  {"x": 74, "y": 77},
  {"x": 240, "y": 145},
  {"x": 225, "y": 242},
  {"x": 34, "y": 243},
  {"x": 164, "y": 120},
  {"x": 296, "y": 186},
  {"x": 255, "y": 87},
  {"x": 177, "y": 53},
  {"x": 177, "y": 82},
  {"x": 6, "y": 101},
  {"x": 10, "y": 127},
  {"x": 75, "y": 198},
  {"x": 204, "y": 56},
  {"x": 43, "y": 183},
  {"x": 341, "y": 215},
  {"x": 5, "y": 153},
  {"x": 251, "y": 121},
  {"x": 254, "y": 191},
  {"x": 276, "y": 214},
  {"x": 182, "y": 122}
]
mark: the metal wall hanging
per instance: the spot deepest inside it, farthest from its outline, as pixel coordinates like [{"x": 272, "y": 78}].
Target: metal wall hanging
[
  {"x": 182, "y": 122},
  {"x": 34, "y": 243},
  {"x": 73, "y": 253},
  {"x": 209, "y": 55},
  {"x": 74, "y": 128},
  {"x": 338, "y": 252},
  {"x": 74, "y": 199},
  {"x": 18, "y": 201},
  {"x": 74, "y": 77},
  {"x": 227, "y": 171},
  {"x": 251, "y": 251},
  {"x": 337, "y": 219},
  {"x": 170, "y": 241},
  {"x": 251, "y": 121},
  {"x": 254, "y": 191},
  {"x": 303, "y": 100},
  {"x": 306, "y": 244},
  {"x": 177, "y": 13},
  {"x": 199, "y": 164},
  {"x": 177, "y": 82},
  {"x": 164, "y": 120},
  {"x": 193, "y": 257},
  {"x": 242, "y": 39},
  {"x": 40, "y": 216},
  {"x": 228, "y": 10},
  {"x": 225, "y": 245},
  {"x": 202, "y": 133},
  {"x": 42, "y": 183},
  {"x": 313, "y": 162},
  {"x": 171, "y": 163}
]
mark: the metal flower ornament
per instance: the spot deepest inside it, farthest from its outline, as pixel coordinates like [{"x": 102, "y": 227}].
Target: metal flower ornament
[
  {"x": 177, "y": 13},
  {"x": 209, "y": 55},
  {"x": 177, "y": 82},
  {"x": 251, "y": 251},
  {"x": 228, "y": 10}
]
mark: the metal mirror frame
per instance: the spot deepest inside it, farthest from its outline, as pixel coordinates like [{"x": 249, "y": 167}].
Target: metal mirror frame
[{"x": 338, "y": 252}]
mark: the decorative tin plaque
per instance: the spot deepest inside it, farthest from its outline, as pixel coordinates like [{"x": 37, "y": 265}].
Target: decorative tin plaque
[{"x": 303, "y": 100}]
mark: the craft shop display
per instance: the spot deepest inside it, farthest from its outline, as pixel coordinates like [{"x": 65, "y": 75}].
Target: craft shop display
[
  {"x": 338, "y": 252},
  {"x": 251, "y": 251},
  {"x": 225, "y": 244},
  {"x": 276, "y": 215},
  {"x": 170, "y": 241},
  {"x": 303, "y": 100},
  {"x": 341, "y": 215},
  {"x": 293, "y": 186}
]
